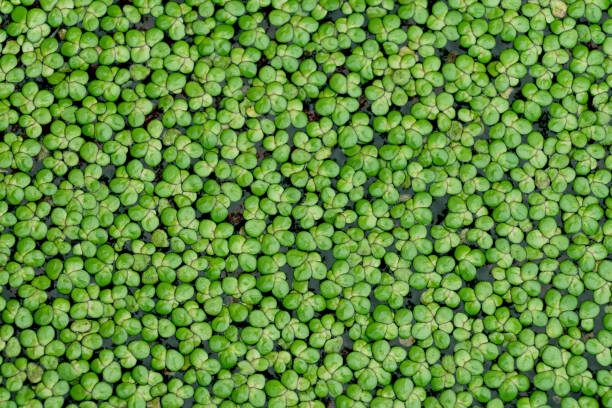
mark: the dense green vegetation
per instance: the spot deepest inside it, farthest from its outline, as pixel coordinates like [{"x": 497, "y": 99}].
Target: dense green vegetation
[{"x": 305, "y": 203}]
